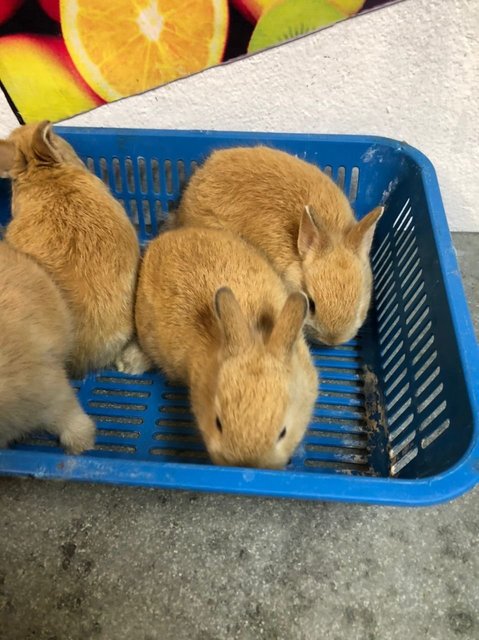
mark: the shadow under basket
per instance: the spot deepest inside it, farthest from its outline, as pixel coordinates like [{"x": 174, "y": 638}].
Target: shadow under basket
[{"x": 396, "y": 419}]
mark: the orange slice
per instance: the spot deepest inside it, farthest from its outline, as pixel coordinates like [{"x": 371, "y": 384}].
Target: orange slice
[{"x": 123, "y": 47}]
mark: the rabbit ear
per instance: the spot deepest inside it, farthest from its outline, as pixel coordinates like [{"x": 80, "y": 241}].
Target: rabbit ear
[
  {"x": 310, "y": 235},
  {"x": 288, "y": 325},
  {"x": 234, "y": 326},
  {"x": 43, "y": 147},
  {"x": 360, "y": 237},
  {"x": 7, "y": 157}
]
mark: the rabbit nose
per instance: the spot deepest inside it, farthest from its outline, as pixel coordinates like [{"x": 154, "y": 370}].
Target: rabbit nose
[{"x": 331, "y": 339}]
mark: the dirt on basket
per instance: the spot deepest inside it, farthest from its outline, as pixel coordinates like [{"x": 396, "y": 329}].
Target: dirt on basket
[
  {"x": 375, "y": 416},
  {"x": 376, "y": 421}
]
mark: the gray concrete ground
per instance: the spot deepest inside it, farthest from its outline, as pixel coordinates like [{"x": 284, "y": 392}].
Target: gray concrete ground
[{"x": 84, "y": 561}]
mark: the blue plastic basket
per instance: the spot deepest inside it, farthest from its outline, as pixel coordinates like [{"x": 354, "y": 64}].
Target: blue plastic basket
[{"x": 396, "y": 420}]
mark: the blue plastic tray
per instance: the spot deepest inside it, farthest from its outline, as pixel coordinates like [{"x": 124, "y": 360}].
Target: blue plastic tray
[{"x": 396, "y": 421}]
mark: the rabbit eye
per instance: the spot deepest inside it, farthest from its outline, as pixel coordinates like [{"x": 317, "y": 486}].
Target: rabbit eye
[
  {"x": 312, "y": 306},
  {"x": 219, "y": 426},
  {"x": 282, "y": 434}
]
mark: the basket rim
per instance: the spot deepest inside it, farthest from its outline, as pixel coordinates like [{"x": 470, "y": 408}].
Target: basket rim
[
  {"x": 218, "y": 134},
  {"x": 236, "y": 480}
]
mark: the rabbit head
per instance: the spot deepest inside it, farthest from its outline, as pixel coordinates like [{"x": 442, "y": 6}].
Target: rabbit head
[
  {"x": 255, "y": 418},
  {"x": 337, "y": 277},
  {"x": 34, "y": 145}
]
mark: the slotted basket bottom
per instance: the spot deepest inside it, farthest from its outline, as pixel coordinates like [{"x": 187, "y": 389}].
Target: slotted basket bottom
[
  {"x": 396, "y": 415},
  {"x": 148, "y": 418}
]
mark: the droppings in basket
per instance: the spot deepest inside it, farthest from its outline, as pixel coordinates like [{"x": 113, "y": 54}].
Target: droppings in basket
[{"x": 376, "y": 422}]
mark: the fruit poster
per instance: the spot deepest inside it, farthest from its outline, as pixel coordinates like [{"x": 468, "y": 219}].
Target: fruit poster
[{"x": 62, "y": 57}]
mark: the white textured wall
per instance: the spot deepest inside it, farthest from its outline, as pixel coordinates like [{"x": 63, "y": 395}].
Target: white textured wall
[{"x": 410, "y": 71}]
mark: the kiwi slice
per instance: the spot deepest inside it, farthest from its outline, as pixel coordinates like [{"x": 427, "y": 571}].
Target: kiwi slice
[{"x": 290, "y": 19}]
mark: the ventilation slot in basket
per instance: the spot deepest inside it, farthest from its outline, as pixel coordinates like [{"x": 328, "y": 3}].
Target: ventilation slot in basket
[
  {"x": 176, "y": 438},
  {"x": 148, "y": 188},
  {"x": 337, "y": 440},
  {"x": 142, "y": 175},
  {"x": 141, "y": 416},
  {"x": 119, "y": 406},
  {"x": 354, "y": 184},
  {"x": 104, "y": 175},
  {"x": 346, "y": 178},
  {"x": 438, "y": 431},
  {"x": 411, "y": 375}
]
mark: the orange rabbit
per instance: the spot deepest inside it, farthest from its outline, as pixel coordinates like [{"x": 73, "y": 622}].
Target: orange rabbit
[
  {"x": 213, "y": 314},
  {"x": 66, "y": 218},
  {"x": 300, "y": 220},
  {"x": 35, "y": 342}
]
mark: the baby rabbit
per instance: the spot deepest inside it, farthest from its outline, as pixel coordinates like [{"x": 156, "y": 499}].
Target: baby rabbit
[
  {"x": 65, "y": 217},
  {"x": 35, "y": 339},
  {"x": 213, "y": 314},
  {"x": 303, "y": 223}
]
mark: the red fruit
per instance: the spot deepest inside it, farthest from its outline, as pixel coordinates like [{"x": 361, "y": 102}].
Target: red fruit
[
  {"x": 252, "y": 9},
  {"x": 8, "y": 8},
  {"x": 51, "y": 8}
]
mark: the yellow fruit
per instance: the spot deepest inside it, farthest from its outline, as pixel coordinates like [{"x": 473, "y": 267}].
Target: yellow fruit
[
  {"x": 348, "y": 7},
  {"x": 41, "y": 80},
  {"x": 123, "y": 47}
]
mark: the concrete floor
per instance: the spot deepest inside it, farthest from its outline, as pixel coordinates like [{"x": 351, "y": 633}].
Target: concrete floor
[{"x": 81, "y": 562}]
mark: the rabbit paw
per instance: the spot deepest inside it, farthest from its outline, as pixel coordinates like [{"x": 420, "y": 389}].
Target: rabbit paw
[
  {"x": 79, "y": 435},
  {"x": 133, "y": 360}
]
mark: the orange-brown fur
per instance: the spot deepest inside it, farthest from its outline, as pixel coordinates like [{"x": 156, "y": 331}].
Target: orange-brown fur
[
  {"x": 66, "y": 218},
  {"x": 261, "y": 194},
  {"x": 213, "y": 314},
  {"x": 35, "y": 341}
]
